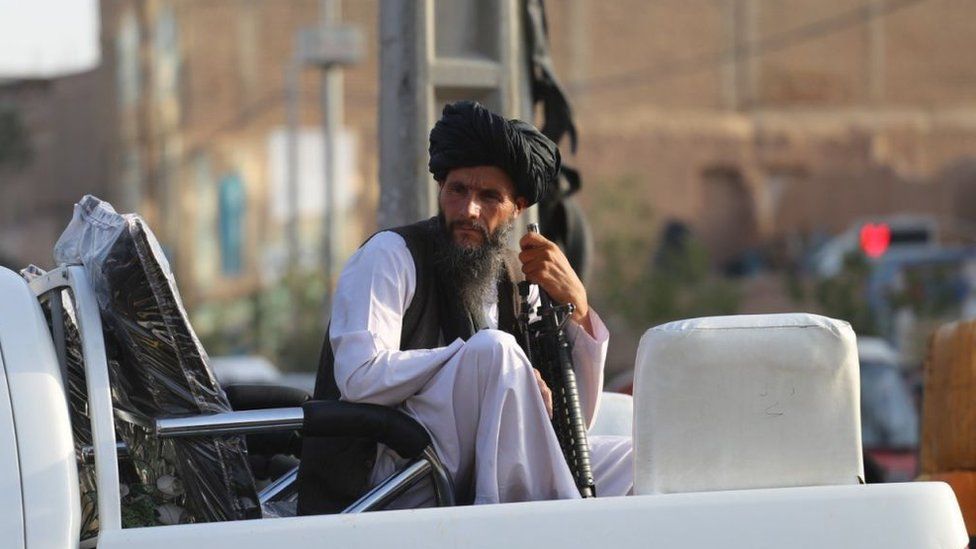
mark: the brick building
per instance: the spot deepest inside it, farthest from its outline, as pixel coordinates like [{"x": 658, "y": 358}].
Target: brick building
[{"x": 751, "y": 120}]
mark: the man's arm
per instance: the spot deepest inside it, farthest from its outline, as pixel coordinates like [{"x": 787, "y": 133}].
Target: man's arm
[
  {"x": 372, "y": 295},
  {"x": 589, "y": 357},
  {"x": 543, "y": 263}
]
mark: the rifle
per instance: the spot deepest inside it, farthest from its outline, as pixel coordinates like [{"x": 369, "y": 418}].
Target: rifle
[{"x": 544, "y": 342}]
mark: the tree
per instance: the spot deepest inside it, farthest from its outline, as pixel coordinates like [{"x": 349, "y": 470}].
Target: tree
[{"x": 15, "y": 146}]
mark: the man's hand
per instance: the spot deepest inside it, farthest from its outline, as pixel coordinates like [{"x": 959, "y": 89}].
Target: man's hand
[
  {"x": 546, "y": 392},
  {"x": 546, "y": 265}
]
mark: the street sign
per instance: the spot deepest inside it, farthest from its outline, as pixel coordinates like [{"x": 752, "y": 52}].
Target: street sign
[{"x": 330, "y": 46}]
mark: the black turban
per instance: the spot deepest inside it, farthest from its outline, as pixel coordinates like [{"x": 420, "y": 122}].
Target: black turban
[{"x": 470, "y": 135}]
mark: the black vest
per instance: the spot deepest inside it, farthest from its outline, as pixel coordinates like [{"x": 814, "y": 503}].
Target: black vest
[{"x": 335, "y": 471}]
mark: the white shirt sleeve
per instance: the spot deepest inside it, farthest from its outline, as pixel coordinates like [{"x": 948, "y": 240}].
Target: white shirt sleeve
[
  {"x": 371, "y": 297},
  {"x": 589, "y": 356}
]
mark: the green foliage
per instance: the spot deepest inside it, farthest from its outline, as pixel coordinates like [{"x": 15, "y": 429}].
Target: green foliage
[
  {"x": 292, "y": 322},
  {"x": 645, "y": 290},
  {"x": 680, "y": 286},
  {"x": 930, "y": 291},
  {"x": 284, "y": 322},
  {"x": 15, "y": 148},
  {"x": 793, "y": 283},
  {"x": 844, "y": 296},
  {"x": 139, "y": 506}
]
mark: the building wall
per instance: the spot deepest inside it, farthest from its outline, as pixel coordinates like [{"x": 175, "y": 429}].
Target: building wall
[
  {"x": 189, "y": 97},
  {"x": 214, "y": 98},
  {"x": 67, "y": 126},
  {"x": 801, "y": 115},
  {"x": 829, "y": 111}
]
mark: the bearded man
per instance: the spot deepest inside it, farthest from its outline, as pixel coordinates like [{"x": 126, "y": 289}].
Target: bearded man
[{"x": 424, "y": 320}]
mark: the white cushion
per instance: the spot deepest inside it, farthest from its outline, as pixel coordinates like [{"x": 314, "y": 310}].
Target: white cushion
[
  {"x": 615, "y": 416},
  {"x": 749, "y": 401}
]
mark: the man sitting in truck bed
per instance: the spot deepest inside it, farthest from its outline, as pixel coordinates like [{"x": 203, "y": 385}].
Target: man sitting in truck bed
[{"x": 423, "y": 321}]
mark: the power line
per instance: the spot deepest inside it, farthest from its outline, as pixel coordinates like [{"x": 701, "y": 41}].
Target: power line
[{"x": 775, "y": 42}]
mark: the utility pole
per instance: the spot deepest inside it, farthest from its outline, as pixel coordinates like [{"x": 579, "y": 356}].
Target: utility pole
[
  {"x": 332, "y": 105},
  {"x": 433, "y": 53},
  {"x": 293, "y": 98},
  {"x": 327, "y": 46}
]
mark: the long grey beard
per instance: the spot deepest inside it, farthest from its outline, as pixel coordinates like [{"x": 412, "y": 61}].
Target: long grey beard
[{"x": 473, "y": 271}]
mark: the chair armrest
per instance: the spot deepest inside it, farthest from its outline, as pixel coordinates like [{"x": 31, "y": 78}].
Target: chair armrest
[
  {"x": 334, "y": 418},
  {"x": 224, "y": 423},
  {"x": 316, "y": 418},
  {"x": 246, "y": 396}
]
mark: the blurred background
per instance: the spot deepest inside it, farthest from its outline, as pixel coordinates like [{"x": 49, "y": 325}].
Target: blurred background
[{"x": 734, "y": 156}]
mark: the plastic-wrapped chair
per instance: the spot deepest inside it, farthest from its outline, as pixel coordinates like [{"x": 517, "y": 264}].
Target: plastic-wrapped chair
[{"x": 172, "y": 415}]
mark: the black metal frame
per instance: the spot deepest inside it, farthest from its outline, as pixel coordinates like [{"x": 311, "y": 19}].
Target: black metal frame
[{"x": 427, "y": 465}]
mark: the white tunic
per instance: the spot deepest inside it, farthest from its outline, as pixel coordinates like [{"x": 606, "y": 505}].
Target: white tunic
[{"x": 478, "y": 399}]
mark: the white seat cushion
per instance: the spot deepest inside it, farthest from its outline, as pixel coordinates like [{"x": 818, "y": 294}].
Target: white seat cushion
[
  {"x": 615, "y": 416},
  {"x": 749, "y": 401}
]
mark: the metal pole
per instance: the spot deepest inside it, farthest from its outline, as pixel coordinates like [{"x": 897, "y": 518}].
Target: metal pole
[
  {"x": 293, "y": 116},
  {"x": 403, "y": 114},
  {"x": 270, "y": 420},
  {"x": 329, "y": 15},
  {"x": 391, "y": 488}
]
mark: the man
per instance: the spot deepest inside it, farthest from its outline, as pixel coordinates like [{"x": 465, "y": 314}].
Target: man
[{"x": 424, "y": 317}]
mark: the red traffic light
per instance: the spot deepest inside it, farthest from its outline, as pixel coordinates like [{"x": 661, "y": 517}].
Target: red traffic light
[{"x": 875, "y": 239}]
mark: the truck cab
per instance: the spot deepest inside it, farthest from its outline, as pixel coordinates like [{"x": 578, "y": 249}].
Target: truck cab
[{"x": 39, "y": 487}]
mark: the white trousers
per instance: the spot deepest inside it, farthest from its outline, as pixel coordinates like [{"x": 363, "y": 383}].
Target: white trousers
[{"x": 490, "y": 428}]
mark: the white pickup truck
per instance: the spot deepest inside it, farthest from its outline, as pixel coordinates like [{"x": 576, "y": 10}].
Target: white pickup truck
[{"x": 701, "y": 480}]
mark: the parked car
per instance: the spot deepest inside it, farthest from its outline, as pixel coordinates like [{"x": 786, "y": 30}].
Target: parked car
[{"x": 889, "y": 413}]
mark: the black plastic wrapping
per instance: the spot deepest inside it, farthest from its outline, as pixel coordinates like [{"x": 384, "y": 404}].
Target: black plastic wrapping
[{"x": 158, "y": 369}]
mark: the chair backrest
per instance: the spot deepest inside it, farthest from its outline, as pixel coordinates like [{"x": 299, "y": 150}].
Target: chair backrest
[
  {"x": 158, "y": 367},
  {"x": 750, "y": 401}
]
